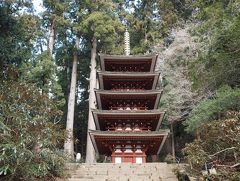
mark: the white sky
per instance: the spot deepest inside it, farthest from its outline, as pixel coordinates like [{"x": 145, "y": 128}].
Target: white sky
[{"x": 38, "y": 6}]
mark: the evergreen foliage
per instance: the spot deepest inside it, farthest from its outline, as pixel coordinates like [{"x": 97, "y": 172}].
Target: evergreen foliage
[
  {"x": 101, "y": 26},
  {"x": 220, "y": 64},
  {"x": 41, "y": 72},
  {"x": 225, "y": 99},
  {"x": 16, "y": 43}
]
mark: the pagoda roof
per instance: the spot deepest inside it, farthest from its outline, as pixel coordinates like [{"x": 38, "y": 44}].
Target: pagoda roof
[
  {"x": 150, "y": 95},
  {"x": 128, "y": 60},
  {"x": 126, "y": 134},
  {"x": 154, "y": 140},
  {"x": 156, "y": 116},
  {"x": 106, "y": 77}
]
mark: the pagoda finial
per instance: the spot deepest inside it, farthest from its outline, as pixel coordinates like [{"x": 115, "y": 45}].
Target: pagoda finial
[{"x": 127, "y": 43}]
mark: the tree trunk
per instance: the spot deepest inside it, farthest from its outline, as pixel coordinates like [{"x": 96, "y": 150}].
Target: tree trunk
[
  {"x": 68, "y": 145},
  {"x": 145, "y": 36},
  {"x": 90, "y": 153},
  {"x": 51, "y": 38},
  {"x": 198, "y": 134}
]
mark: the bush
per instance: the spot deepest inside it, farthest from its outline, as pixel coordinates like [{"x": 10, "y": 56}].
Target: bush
[
  {"x": 220, "y": 145},
  {"x": 29, "y": 133},
  {"x": 169, "y": 159}
]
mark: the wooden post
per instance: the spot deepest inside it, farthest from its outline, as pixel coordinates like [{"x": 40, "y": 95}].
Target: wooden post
[
  {"x": 173, "y": 143},
  {"x": 154, "y": 158}
]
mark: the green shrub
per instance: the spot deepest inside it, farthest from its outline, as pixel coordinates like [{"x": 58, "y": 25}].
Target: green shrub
[{"x": 29, "y": 133}]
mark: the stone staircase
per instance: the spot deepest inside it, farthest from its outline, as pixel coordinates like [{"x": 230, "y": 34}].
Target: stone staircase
[{"x": 121, "y": 172}]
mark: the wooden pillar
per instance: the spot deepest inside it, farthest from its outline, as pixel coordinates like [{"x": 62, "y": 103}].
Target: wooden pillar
[
  {"x": 173, "y": 143},
  {"x": 113, "y": 157},
  {"x": 144, "y": 157},
  {"x": 134, "y": 157}
]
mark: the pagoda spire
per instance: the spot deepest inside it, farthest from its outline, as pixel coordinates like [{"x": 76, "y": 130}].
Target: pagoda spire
[{"x": 127, "y": 42}]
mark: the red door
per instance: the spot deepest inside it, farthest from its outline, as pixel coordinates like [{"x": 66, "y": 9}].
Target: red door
[{"x": 128, "y": 159}]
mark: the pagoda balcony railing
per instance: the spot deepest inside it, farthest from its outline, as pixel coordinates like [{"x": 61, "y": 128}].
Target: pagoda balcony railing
[
  {"x": 129, "y": 89},
  {"x": 128, "y": 108},
  {"x": 122, "y": 68},
  {"x": 126, "y": 130}
]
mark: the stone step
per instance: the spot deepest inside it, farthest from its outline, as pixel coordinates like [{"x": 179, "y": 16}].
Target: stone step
[
  {"x": 117, "y": 179},
  {"x": 85, "y": 179},
  {"x": 121, "y": 172}
]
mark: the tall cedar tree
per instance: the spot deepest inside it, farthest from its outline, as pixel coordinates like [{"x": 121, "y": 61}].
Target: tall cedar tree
[{"x": 99, "y": 25}]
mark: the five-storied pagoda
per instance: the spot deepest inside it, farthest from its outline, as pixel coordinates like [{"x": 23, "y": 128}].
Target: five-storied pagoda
[{"x": 127, "y": 119}]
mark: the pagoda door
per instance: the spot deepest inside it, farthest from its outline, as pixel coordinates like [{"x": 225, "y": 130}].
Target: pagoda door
[{"x": 128, "y": 157}]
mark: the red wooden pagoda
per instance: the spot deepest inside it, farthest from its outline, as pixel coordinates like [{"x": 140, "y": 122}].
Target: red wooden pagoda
[{"x": 127, "y": 120}]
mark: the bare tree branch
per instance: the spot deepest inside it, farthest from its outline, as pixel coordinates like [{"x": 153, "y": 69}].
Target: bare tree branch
[{"x": 231, "y": 148}]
